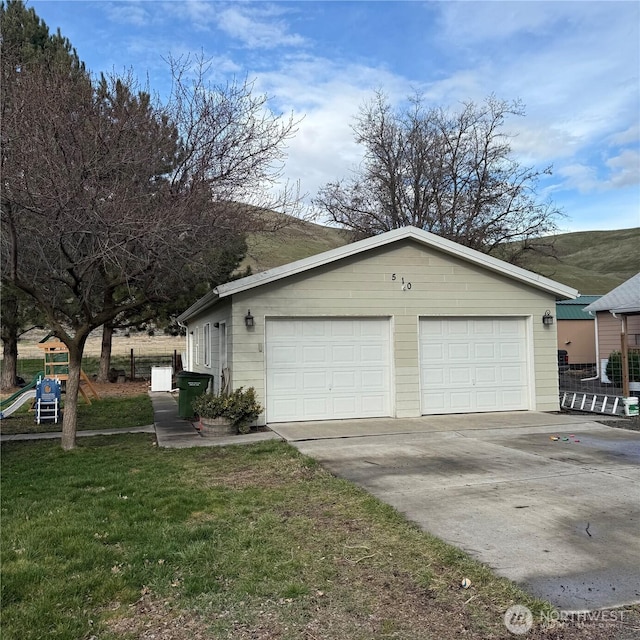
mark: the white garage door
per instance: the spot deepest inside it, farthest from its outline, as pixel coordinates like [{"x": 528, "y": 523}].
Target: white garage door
[
  {"x": 327, "y": 368},
  {"x": 473, "y": 364}
]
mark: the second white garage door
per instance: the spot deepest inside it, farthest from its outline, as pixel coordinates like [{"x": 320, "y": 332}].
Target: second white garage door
[
  {"x": 327, "y": 368},
  {"x": 473, "y": 364}
]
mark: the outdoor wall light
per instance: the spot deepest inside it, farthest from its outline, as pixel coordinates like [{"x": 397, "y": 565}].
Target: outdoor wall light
[
  {"x": 547, "y": 318},
  {"x": 248, "y": 319},
  {"x": 216, "y": 325}
]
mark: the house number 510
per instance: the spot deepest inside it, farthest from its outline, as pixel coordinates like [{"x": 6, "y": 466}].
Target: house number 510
[{"x": 405, "y": 285}]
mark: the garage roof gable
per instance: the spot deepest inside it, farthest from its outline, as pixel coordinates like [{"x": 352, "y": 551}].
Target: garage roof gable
[{"x": 406, "y": 233}]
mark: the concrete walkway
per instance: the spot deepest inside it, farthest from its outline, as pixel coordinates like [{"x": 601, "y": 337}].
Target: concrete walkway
[
  {"x": 329, "y": 429},
  {"x": 177, "y": 433},
  {"x": 52, "y": 435}
]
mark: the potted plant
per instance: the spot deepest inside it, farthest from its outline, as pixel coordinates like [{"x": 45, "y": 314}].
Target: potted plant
[{"x": 227, "y": 412}]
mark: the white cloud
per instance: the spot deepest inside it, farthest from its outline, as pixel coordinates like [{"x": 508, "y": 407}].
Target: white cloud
[
  {"x": 201, "y": 14},
  {"x": 620, "y": 171},
  {"x": 625, "y": 169},
  {"x": 475, "y": 22},
  {"x": 574, "y": 65},
  {"x": 631, "y": 135},
  {"x": 328, "y": 94},
  {"x": 579, "y": 176},
  {"x": 129, "y": 13},
  {"x": 257, "y": 27}
]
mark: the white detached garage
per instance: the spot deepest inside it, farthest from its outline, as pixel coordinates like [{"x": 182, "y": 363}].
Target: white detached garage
[{"x": 402, "y": 324}]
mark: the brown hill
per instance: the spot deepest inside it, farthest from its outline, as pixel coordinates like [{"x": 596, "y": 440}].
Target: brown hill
[{"x": 593, "y": 262}]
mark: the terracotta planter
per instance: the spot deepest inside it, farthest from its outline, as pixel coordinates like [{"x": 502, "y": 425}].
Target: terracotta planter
[{"x": 217, "y": 427}]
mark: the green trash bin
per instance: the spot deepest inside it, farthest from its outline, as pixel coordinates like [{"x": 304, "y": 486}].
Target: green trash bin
[{"x": 190, "y": 385}]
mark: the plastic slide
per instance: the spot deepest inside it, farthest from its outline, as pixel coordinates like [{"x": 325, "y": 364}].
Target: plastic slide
[
  {"x": 26, "y": 396},
  {"x": 32, "y": 385}
]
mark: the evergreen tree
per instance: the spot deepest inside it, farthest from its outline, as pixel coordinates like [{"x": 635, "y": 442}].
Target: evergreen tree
[{"x": 26, "y": 42}]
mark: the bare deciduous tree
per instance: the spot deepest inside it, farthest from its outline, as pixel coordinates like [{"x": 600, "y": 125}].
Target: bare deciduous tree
[
  {"x": 110, "y": 202},
  {"x": 448, "y": 172}
]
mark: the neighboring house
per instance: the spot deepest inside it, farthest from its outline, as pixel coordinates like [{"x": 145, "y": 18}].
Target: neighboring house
[
  {"x": 616, "y": 312},
  {"x": 402, "y": 324},
  {"x": 576, "y": 331}
]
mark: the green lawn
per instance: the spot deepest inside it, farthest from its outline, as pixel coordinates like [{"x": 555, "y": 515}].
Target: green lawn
[
  {"x": 106, "y": 413},
  {"x": 120, "y": 539}
]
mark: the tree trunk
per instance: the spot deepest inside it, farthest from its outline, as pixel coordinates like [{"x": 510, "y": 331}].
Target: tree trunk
[
  {"x": 9, "y": 362},
  {"x": 9, "y": 333},
  {"x": 105, "y": 354},
  {"x": 70, "y": 418}
]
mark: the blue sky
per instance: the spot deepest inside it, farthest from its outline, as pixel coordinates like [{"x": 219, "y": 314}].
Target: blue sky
[{"x": 575, "y": 65}]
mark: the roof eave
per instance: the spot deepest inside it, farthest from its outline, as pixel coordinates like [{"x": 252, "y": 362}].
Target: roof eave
[
  {"x": 624, "y": 296},
  {"x": 630, "y": 310},
  {"x": 208, "y": 300}
]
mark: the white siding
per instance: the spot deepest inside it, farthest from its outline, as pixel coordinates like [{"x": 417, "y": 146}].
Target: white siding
[{"x": 220, "y": 315}]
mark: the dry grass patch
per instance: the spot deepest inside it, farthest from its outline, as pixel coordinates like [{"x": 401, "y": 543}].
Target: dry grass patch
[{"x": 157, "y": 619}]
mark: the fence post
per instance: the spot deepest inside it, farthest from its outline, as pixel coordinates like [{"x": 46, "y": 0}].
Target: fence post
[
  {"x": 133, "y": 366},
  {"x": 624, "y": 352}
]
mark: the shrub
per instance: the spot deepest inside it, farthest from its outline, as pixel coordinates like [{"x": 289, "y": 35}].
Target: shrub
[
  {"x": 614, "y": 367},
  {"x": 240, "y": 407}
]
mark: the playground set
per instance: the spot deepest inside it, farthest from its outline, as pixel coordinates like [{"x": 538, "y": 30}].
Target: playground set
[{"x": 44, "y": 391}]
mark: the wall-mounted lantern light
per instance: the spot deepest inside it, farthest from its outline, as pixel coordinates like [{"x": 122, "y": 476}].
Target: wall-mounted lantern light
[
  {"x": 248, "y": 319},
  {"x": 547, "y": 318},
  {"x": 216, "y": 325}
]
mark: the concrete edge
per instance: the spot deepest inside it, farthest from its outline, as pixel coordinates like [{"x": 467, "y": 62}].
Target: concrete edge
[{"x": 52, "y": 435}]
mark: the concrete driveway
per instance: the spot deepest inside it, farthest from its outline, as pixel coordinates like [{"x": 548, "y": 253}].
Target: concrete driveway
[{"x": 559, "y": 517}]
